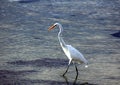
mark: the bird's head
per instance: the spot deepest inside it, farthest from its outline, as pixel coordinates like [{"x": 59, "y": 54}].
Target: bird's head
[{"x": 53, "y": 26}]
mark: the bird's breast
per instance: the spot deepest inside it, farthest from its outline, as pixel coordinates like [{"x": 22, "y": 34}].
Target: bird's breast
[{"x": 66, "y": 51}]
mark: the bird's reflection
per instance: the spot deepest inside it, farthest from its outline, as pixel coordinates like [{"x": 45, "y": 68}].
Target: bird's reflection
[
  {"x": 75, "y": 81},
  {"x": 68, "y": 83}
]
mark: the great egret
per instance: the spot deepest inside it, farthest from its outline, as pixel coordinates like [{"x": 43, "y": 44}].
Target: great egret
[{"x": 73, "y": 54}]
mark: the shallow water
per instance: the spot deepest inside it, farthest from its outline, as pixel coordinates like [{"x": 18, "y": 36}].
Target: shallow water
[{"x": 30, "y": 55}]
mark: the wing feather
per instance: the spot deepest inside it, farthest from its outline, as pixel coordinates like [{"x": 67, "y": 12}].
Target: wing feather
[{"x": 76, "y": 55}]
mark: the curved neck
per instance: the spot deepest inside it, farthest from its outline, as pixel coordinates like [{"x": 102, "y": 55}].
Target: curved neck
[{"x": 62, "y": 43}]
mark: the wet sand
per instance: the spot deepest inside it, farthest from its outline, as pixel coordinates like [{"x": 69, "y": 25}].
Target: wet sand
[{"x": 30, "y": 55}]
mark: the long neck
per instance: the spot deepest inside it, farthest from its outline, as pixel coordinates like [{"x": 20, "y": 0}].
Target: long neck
[{"x": 62, "y": 43}]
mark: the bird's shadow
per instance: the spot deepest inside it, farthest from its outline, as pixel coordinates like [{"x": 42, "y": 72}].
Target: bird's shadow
[
  {"x": 75, "y": 81},
  {"x": 46, "y": 62},
  {"x": 43, "y": 62},
  {"x": 8, "y": 76}
]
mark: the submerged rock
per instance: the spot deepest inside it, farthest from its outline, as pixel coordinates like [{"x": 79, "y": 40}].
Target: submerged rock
[{"x": 117, "y": 34}]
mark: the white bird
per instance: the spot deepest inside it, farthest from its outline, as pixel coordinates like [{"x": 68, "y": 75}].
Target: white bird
[{"x": 73, "y": 54}]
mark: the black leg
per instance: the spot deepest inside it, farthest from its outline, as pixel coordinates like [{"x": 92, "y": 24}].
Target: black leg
[
  {"x": 66, "y": 80},
  {"x": 74, "y": 83},
  {"x": 76, "y": 69},
  {"x": 66, "y": 70}
]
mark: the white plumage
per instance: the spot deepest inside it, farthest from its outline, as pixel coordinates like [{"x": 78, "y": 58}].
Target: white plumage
[
  {"x": 72, "y": 53},
  {"x": 75, "y": 55}
]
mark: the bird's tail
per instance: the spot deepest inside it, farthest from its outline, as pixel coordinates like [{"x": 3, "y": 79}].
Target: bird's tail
[{"x": 86, "y": 66}]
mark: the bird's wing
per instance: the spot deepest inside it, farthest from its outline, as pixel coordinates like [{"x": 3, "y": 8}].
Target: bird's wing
[{"x": 75, "y": 54}]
